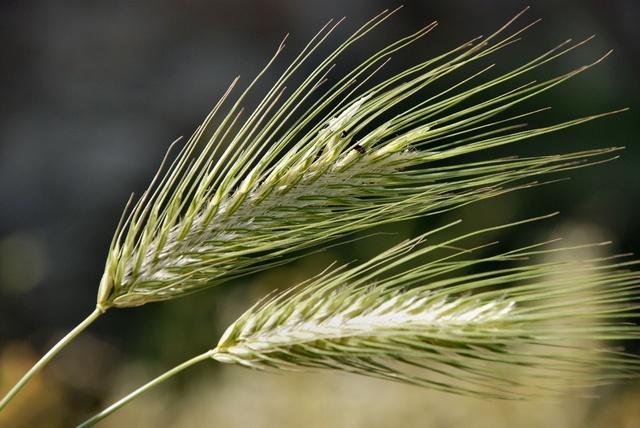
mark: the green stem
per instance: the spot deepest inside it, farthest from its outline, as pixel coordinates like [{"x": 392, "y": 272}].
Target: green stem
[
  {"x": 49, "y": 355},
  {"x": 166, "y": 375}
]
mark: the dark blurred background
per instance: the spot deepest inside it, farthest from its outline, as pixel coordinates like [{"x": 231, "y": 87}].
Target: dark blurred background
[{"x": 94, "y": 92}]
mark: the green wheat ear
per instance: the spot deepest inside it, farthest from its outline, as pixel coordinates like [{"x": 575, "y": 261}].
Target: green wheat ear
[
  {"x": 267, "y": 186},
  {"x": 247, "y": 192},
  {"x": 464, "y": 333},
  {"x": 516, "y": 331}
]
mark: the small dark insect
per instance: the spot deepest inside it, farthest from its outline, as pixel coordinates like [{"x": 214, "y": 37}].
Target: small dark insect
[
  {"x": 358, "y": 148},
  {"x": 343, "y": 134}
]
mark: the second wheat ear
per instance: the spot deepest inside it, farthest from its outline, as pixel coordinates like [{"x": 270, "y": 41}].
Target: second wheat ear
[{"x": 249, "y": 190}]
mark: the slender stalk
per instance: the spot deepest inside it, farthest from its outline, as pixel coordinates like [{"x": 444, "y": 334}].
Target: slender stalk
[
  {"x": 166, "y": 375},
  {"x": 49, "y": 356}
]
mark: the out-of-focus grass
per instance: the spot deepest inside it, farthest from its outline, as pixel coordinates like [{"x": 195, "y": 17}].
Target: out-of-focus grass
[
  {"x": 235, "y": 397},
  {"x": 43, "y": 400},
  {"x": 240, "y": 398}
]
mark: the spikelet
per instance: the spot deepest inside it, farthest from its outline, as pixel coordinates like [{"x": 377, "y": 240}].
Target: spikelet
[
  {"x": 243, "y": 195},
  {"x": 466, "y": 333}
]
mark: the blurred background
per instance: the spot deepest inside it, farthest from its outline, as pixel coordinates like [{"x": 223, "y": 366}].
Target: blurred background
[{"x": 94, "y": 92}]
